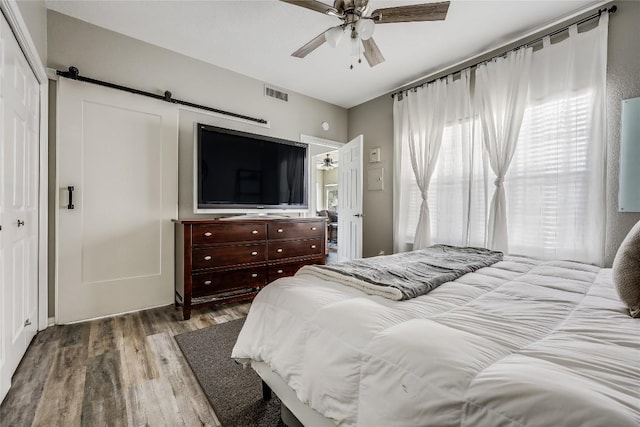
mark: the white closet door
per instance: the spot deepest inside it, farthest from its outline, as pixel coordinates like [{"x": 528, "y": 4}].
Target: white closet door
[
  {"x": 350, "y": 200},
  {"x": 115, "y": 247},
  {"x": 19, "y": 150}
]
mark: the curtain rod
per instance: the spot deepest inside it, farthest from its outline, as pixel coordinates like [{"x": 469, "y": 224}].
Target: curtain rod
[
  {"x": 74, "y": 74},
  {"x": 597, "y": 14}
]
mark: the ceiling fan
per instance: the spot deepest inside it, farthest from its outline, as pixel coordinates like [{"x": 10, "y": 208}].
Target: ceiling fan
[
  {"x": 327, "y": 163},
  {"x": 359, "y": 24}
]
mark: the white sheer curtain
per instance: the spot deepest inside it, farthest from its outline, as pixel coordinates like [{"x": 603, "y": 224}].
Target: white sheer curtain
[
  {"x": 421, "y": 117},
  {"x": 452, "y": 216},
  {"x": 556, "y": 183},
  {"x": 457, "y": 193},
  {"x": 501, "y": 95},
  {"x": 553, "y": 171}
]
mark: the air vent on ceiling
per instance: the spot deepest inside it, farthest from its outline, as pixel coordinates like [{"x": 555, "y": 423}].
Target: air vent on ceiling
[{"x": 275, "y": 93}]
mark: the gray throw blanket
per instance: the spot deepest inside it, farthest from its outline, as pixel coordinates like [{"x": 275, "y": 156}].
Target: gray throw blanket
[{"x": 406, "y": 275}]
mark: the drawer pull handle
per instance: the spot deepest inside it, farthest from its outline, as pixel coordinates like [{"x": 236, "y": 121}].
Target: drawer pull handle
[
  {"x": 313, "y": 246},
  {"x": 313, "y": 228},
  {"x": 207, "y": 282},
  {"x": 280, "y": 230},
  {"x": 280, "y": 271},
  {"x": 254, "y": 232},
  {"x": 254, "y": 275},
  {"x": 254, "y": 253},
  {"x": 279, "y": 250},
  {"x": 208, "y": 234},
  {"x": 207, "y": 258}
]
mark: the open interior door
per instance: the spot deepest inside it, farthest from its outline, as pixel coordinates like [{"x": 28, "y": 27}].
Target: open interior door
[{"x": 350, "y": 200}]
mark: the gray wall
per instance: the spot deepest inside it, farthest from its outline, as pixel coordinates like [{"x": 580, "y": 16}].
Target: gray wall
[
  {"x": 374, "y": 119},
  {"x": 34, "y": 13},
  {"x": 106, "y": 55},
  {"x": 623, "y": 82}
]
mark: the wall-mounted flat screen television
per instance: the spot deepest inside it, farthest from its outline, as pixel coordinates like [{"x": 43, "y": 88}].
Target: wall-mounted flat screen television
[{"x": 244, "y": 171}]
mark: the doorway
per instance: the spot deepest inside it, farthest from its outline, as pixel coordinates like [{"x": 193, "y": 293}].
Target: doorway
[
  {"x": 326, "y": 168},
  {"x": 344, "y": 196}
]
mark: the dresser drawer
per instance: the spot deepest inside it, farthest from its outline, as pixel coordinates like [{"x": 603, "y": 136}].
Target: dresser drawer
[
  {"x": 289, "y": 269},
  {"x": 225, "y": 256},
  {"x": 295, "y": 248},
  {"x": 296, "y": 230},
  {"x": 227, "y": 232},
  {"x": 224, "y": 281}
]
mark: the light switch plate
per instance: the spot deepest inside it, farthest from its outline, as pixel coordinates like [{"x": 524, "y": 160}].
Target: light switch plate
[{"x": 374, "y": 155}]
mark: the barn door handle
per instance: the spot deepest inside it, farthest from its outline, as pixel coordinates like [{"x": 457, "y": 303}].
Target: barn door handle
[{"x": 70, "y": 190}]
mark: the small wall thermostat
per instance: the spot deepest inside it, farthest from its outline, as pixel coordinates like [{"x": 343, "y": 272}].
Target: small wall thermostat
[{"x": 374, "y": 155}]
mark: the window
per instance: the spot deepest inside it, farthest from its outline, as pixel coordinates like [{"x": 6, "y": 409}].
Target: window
[
  {"x": 548, "y": 182},
  {"x": 457, "y": 218}
]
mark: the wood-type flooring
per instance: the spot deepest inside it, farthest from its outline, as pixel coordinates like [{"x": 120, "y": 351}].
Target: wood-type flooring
[{"x": 119, "y": 371}]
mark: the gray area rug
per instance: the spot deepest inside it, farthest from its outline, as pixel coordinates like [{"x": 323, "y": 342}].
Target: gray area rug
[{"x": 234, "y": 393}]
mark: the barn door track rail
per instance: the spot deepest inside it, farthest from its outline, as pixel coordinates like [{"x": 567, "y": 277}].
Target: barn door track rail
[{"x": 74, "y": 74}]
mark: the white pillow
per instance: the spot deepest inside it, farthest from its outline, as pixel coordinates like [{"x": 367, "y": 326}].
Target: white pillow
[{"x": 626, "y": 271}]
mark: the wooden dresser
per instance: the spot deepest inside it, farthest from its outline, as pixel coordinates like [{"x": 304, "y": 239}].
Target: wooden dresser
[{"x": 232, "y": 259}]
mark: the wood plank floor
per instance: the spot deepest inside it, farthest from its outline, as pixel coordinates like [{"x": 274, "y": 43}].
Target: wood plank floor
[{"x": 121, "y": 371}]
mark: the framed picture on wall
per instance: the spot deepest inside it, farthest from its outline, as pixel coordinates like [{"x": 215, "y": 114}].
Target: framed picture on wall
[{"x": 331, "y": 191}]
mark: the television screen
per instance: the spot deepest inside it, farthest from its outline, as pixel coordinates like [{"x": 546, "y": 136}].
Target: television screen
[{"x": 244, "y": 170}]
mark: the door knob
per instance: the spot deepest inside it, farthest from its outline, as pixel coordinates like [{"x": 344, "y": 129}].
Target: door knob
[
  {"x": 27, "y": 323},
  {"x": 20, "y": 223},
  {"x": 359, "y": 215}
]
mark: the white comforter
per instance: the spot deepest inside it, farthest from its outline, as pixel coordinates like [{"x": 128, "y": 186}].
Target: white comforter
[{"x": 521, "y": 343}]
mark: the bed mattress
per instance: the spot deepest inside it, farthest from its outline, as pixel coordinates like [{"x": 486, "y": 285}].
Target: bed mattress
[{"x": 521, "y": 343}]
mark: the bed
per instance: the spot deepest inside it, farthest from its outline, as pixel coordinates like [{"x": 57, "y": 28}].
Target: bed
[{"x": 520, "y": 343}]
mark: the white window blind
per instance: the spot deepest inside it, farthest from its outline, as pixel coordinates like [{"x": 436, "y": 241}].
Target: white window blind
[
  {"x": 547, "y": 187},
  {"x": 548, "y": 182},
  {"x": 458, "y": 188}
]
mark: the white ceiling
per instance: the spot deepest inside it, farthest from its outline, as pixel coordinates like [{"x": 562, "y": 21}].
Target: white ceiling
[{"x": 256, "y": 38}]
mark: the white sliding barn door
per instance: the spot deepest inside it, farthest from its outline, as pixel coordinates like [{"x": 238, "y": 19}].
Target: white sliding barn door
[
  {"x": 119, "y": 152},
  {"x": 19, "y": 190},
  {"x": 350, "y": 200}
]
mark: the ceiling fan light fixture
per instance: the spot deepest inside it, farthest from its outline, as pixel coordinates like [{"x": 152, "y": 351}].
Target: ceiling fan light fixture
[
  {"x": 333, "y": 36},
  {"x": 365, "y": 28},
  {"x": 327, "y": 164}
]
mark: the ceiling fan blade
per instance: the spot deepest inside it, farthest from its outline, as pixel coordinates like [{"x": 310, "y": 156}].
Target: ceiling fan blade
[
  {"x": 314, "y": 5},
  {"x": 315, "y": 43},
  {"x": 411, "y": 13},
  {"x": 372, "y": 52}
]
